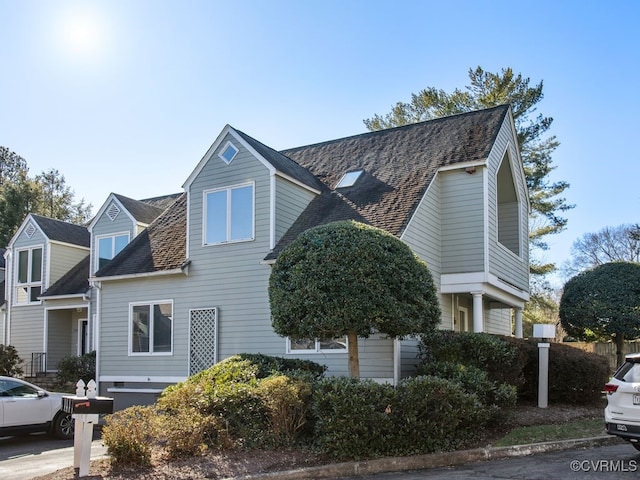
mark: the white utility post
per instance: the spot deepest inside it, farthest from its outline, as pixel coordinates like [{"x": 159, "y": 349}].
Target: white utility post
[{"x": 543, "y": 331}]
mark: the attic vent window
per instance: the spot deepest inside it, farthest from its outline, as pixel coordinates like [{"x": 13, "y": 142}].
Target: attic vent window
[
  {"x": 30, "y": 230},
  {"x": 228, "y": 153},
  {"x": 349, "y": 179},
  {"x": 113, "y": 211}
]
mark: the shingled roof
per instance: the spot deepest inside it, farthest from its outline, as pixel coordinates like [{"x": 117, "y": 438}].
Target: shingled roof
[
  {"x": 161, "y": 246},
  {"x": 283, "y": 164},
  {"x": 60, "y": 231},
  {"x": 74, "y": 282},
  {"x": 398, "y": 165},
  {"x": 142, "y": 211}
]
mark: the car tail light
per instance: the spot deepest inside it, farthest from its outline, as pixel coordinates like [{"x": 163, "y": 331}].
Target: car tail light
[{"x": 610, "y": 388}]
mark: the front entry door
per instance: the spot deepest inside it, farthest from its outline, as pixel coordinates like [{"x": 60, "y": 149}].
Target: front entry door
[{"x": 83, "y": 336}]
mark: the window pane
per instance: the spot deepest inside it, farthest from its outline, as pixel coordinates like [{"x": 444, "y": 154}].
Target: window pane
[
  {"x": 216, "y": 217},
  {"x": 23, "y": 266},
  {"x": 105, "y": 250},
  {"x": 333, "y": 344},
  {"x": 34, "y": 294},
  {"x": 36, "y": 265},
  {"x": 22, "y": 294},
  {"x": 162, "y": 319},
  {"x": 140, "y": 329},
  {"x": 121, "y": 241},
  {"x": 242, "y": 213},
  {"x": 303, "y": 344},
  {"x": 229, "y": 153}
]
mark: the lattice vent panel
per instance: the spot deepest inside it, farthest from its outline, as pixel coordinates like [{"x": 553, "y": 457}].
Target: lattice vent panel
[{"x": 203, "y": 339}]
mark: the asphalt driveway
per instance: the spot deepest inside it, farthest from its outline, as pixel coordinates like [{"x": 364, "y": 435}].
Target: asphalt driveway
[{"x": 29, "y": 456}]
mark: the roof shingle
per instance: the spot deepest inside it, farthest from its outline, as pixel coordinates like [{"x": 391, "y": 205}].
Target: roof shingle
[
  {"x": 398, "y": 163},
  {"x": 161, "y": 246},
  {"x": 60, "y": 231}
]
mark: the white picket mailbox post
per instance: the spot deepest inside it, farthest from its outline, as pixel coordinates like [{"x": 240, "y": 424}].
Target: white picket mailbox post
[{"x": 85, "y": 408}]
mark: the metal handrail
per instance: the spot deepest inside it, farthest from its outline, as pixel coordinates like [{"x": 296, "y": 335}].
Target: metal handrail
[{"x": 38, "y": 364}]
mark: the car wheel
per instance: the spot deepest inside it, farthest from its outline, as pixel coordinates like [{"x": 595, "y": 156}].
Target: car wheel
[
  {"x": 636, "y": 445},
  {"x": 63, "y": 426}
]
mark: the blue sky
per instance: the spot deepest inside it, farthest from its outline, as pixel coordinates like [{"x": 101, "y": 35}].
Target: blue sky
[{"x": 126, "y": 96}]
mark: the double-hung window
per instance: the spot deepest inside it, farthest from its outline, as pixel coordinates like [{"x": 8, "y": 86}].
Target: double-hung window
[
  {"x": 317, "y": 345},
  {"x": 109, "y": 247},
  {"x": 229, "y": 214},
  {"x": 151, "y": 328},
  {"x": 28, "y": 275}
]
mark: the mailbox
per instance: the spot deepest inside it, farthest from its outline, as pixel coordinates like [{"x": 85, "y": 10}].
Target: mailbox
[{"x": 80, "y": 405}]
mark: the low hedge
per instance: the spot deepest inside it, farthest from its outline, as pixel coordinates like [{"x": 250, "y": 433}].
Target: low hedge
[
  {"x": 575, "y": 376},
  {"x": 362, "y": 419},
  {"x": 481, "y": 350}
]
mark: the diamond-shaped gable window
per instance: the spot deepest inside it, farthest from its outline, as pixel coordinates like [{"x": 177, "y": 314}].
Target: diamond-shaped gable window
[
  {"x": 349, "y": 179},
  {"x": 228, "y": 153}
]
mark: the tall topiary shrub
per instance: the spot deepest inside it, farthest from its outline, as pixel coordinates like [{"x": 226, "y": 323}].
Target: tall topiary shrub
[{"x": 349, "y": 279}]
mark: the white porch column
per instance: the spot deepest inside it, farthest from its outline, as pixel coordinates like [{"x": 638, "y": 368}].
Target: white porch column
[
  {"x": 478, "y": 314},
  {"x": 518, "y": 323}
]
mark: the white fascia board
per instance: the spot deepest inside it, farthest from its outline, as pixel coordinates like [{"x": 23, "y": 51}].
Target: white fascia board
[
  {"x": 298, "y": 182},
  {"x": 72, "y": 245},
  {"x": 141, "y": 379},
  {"x": 463, "y": 165},
  {"x": 488, "y": 284},
  {"x": 65, "y": 297},
  {"x": 227, "y": 130},
  {"x": 25, "y": 222},
  {"x": 161, "y": 273}
]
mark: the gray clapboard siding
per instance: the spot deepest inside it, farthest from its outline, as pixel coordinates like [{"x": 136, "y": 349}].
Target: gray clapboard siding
[
  {"x": 122, "y": 224},
  {"x": 59, "y": 337},
  {"x": 462, "y": 203},
  {"x": 503, "y": 262},
  {"x": 291, "y": 200},
  {"x": 497, "y": 321},
  {"x": 27, "y": 330},
  {"x": 63, "y": 259}
]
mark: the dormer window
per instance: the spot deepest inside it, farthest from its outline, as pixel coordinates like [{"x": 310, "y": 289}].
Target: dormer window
[
  {"x": 349, "y": 179},
  {"x": 228, "y": 153},
  {"x": 109, "y": 246}
]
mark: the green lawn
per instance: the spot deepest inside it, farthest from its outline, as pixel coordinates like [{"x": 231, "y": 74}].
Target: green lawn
[{"x": 547, "y": 433}]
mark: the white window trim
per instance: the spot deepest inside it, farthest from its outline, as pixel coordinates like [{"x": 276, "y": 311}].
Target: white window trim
[
  {"x": 224, "y": 149},
  {"x": 130, "y": 330},
  {"x": 317, "y": 350},
  {"x": 29, "y": 284},
  {"x": 349, "y": 179},
  {"x": 96, "y": 262},
  {"x": 228, "y": 189}
]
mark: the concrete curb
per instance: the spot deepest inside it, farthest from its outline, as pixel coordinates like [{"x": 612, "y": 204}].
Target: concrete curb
[{"x": 433, "y": 460}]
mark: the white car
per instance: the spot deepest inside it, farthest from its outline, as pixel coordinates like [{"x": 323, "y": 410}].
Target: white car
[
  {"x": 27, "y": 408},
  {"x": 622, "y": 415}
]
